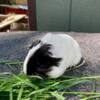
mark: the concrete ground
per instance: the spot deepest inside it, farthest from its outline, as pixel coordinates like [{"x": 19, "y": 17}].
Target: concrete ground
[{"x": 14, "y": 46}]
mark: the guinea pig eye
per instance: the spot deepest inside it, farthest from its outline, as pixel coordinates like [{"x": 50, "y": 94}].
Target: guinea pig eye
[{"x": 34, "y": 43}]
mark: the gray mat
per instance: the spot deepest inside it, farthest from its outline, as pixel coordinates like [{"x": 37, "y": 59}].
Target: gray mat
[{"x": 14, "y": 46}]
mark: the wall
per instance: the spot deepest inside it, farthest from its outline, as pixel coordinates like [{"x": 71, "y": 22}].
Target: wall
[
  {"x": 85, "y": 15},
  {"x": 68, "y": 15},
  {"x": 52, "y": 15}
]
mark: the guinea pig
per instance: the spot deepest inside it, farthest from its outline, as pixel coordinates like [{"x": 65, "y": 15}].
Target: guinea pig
[{"x": 52, "y": 55}]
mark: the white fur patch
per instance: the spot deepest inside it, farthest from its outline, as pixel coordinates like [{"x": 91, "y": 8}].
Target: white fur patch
[{"x": 65, "y": 47}]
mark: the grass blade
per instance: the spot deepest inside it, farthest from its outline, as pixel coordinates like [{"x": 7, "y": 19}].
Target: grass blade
[
  {"x": 58, "y": 96},
  {"x": 11, "y": 94},
  {"x": 20, "y": 93}
]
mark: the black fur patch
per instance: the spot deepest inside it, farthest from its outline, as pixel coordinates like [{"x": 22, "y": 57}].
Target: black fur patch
[
  {"x": 42, "y": 60},
  {"x": 34, "y": 43},
  {"x": 80, "y": 62}
]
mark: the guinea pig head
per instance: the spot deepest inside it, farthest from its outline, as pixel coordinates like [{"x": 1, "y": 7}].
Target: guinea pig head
[{"x": 39, "y": 60}]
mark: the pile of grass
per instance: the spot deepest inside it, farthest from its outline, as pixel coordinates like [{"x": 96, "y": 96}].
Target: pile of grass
[{"x": 22, "y": 87}]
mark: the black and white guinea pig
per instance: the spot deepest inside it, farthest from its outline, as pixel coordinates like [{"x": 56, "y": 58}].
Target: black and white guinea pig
[{"x": 52, "y": 55}]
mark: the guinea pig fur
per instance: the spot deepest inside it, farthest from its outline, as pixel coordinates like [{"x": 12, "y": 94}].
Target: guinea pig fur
[{"x": 52, "y": 55}]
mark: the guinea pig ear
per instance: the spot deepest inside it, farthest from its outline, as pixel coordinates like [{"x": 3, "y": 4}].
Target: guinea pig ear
[{"x": 34, "y": 43}]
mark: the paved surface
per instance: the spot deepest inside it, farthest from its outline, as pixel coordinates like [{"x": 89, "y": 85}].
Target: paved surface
[{"x": 14, "y": 46}]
